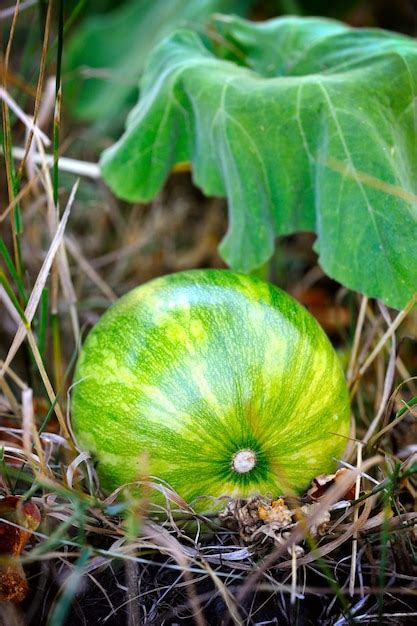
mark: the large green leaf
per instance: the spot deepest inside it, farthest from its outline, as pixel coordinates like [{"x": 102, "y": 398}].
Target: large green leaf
[
  {"x": 105, "y": 58},
  {"x": 316, "y": 131}
]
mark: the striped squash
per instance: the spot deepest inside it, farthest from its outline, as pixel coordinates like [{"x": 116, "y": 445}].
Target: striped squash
[{"x": 214, "y": 381}]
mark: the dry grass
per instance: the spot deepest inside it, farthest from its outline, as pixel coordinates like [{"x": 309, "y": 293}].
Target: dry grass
[{"x": 99, "y": 558}]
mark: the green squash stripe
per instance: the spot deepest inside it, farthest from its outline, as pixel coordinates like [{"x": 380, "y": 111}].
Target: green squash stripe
[{"x": 187, "y": 370}]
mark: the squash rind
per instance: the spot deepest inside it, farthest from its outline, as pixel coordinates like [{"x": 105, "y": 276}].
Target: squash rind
[{"x": 184, "y": 371}]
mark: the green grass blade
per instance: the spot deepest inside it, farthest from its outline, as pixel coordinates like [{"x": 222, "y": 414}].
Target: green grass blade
[
  {"x": 13, "y": 272},
  {"x": 63, "y": 605},
  {"x": 5, "y": 283},
  {"x": 58, "y": 97},
  {"x": 43, "y": 321}
]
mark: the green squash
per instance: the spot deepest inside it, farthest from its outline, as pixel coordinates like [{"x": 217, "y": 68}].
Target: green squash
[{"x": 213, "y": 381}]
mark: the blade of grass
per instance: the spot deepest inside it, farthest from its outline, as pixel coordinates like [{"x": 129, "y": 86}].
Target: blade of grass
[
  {"x": 29, "y": 185},
  {"x": 61, "y": 266},
  {"x": 357, "y": 337},
  {"x": 15, "y": 80},
  {"x": 13, "y": 272},
  {"x": 4, "y": 472},
  {"x": 39, "y": 87},
  {"x": 25, "y": 119},
  {"x": 68, "y": 23},
  {"x": 72, "y": 166},
  {"x": 25, "y": 329},
  {"x": 387, "y": 335},
  {"x": 77, "y": 255},
  {"x": 407, "y": 407},
  {"x": 49, "y": 389},
  {"x": 30, "y": 434},
  {"x": 63, "y": 604},
  {"x": 57, "y": 352},
  {"x": 40, "y": 283},
  {"x": 12, "y": 178},
  {"x": 398, "y": 418},
  {"x": 11, "y": 295},
  {"x": 371, "y": 181},
  {"x": 388, "y": 382},
  {"x": 43, "y": 321},
  {"x": 9, "y": 12},
  {"x": 66, "y": 376},
  {"x": 11, "y": 185},
  {"x": 355, "y": 519},
  {"x": 58, "y": 99},
  {"x": 384, "y": 535},
  {"x": 8, "y": 393}
]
